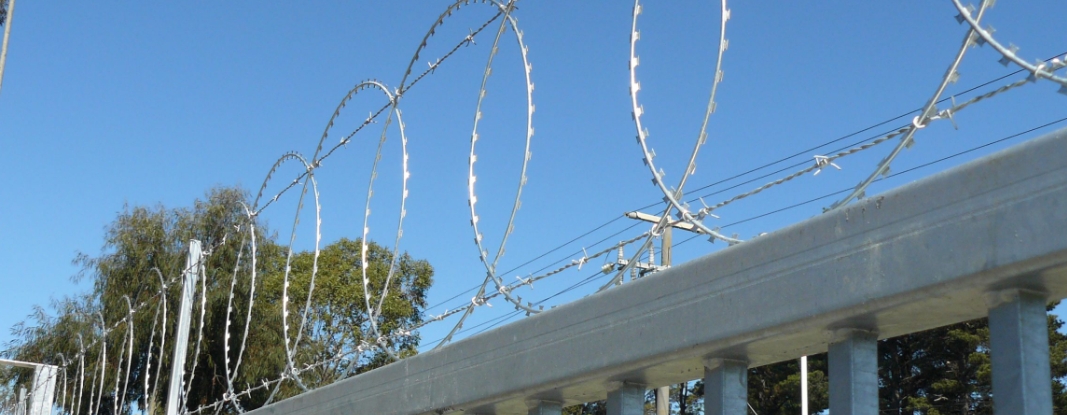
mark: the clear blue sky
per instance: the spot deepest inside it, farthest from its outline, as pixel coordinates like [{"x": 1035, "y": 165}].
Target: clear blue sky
[{"x": 107, "y": 103}]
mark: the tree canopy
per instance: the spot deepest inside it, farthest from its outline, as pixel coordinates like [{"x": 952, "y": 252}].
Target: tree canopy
[{"x": 139, "y": 269}]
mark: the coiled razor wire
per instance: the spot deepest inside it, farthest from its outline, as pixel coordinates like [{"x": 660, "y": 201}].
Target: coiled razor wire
[
  {"x": 920, "y": 121},
  {"x": 675, "y": 212},
  {"x": 393, "y": 98},
  {"x": 670, "y": 195},
  {"x": 406, "y": 332}
]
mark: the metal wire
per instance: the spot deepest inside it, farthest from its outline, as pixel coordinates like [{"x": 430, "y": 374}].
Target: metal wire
[
  {"x": 472, "y": 199},
  {"x": 929, "y": 111},
  {"x": 671, "y": 196},
  {"x": 1038, "y": 71},
  {"x": 944, "y": 114},
  {"x": 675, "y": 211}
]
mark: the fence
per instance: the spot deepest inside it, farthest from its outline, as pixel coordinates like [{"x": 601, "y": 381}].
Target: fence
[
  {"x": 983, "y": 239},
  {"x": 41, "y": 393}
]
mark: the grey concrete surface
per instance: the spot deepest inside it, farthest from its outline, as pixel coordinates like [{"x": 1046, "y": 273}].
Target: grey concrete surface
[
  {"x": 625, "y": 398},
  {"x": 725, "y": 387},
  {"x": 921, "y": 256},
  {"x": 853, "y": 372},
  {"x": 544, "y": 408},
  {"x": 1018, "y": 347}
]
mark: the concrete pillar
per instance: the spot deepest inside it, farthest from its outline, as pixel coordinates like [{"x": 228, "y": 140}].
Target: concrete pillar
[
  {"x": 44, "y": 386},
  {"x": 725, "y": 387},
  {"x": 538, "y": 407},
  {"x": 627, "y": 399},
  {"x": 1018, "y": 343},
  {"x": 663, "y": 400},
  {"x": 853, "y": 359}
]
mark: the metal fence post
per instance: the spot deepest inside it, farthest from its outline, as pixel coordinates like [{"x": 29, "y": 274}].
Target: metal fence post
[
  {"x": 7, "y": 35},
  {"x": 181, "y": 343},
  {"x": 803, "y": 385}
]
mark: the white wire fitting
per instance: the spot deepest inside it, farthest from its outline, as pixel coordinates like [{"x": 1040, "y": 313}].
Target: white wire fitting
[{"x": 823, "y": 161}]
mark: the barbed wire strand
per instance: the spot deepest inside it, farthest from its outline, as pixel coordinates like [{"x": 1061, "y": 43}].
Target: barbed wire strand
[
  {"x": 880, "y": 140},
  {"x": 920, "y": 121},
  {"x": 908, "y": 170},
  {"x": 807, "y": 151},
  {"x": 672, "y": 198},
  {"x": 1036, "y": 71}
]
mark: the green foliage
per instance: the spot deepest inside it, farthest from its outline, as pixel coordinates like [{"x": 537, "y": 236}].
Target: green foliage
[
  {"x": 942, "y": 371},
  {"x": 146, "y": 247},
  {"x": 948, "y": 370},
  {"x": 1058, "y": 359},
  {"x": 945, "y": 370},
  {"x": 588, "y": 408},
  {"x": 775, "y": 389}
]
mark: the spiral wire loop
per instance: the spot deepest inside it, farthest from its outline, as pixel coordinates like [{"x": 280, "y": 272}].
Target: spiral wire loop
[{"x": 87, "y": 374}]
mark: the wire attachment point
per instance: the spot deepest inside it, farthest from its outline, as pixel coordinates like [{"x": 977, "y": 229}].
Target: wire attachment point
[
  {"x": 823, "y": 161},
  {"x": 917, "y": 124},
  {"x": 469, "y": 40},
  {"x": 480, "y": 301}
]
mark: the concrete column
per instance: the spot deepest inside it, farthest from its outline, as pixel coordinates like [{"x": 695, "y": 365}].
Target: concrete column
[
  {"x": 1018, "y": 342},
  {"x": 663, "y": 400},
  {"x": 44, "y": 386},
  {"x": 725, "y": 387},
  {"x": 42, "y": 390},
  {"x": 538, "y": 407},
  {"x": 627, "y": 399},
  {"x": 21, "y": 409},
  {"x": 853, "y": 359}
]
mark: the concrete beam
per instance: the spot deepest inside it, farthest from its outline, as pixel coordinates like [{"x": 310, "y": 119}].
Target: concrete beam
[
  {"x": 918, "y": 257},
  {"x": 16, "y": 363}
]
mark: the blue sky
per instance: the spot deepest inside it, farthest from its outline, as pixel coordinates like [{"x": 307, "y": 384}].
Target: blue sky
[{"x": 108, "y": 103}]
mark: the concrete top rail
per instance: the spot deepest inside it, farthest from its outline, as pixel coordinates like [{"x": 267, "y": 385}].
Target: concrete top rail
[
  {"x": 16, "y": 363},
  {"x": 924, "y": 255}
]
